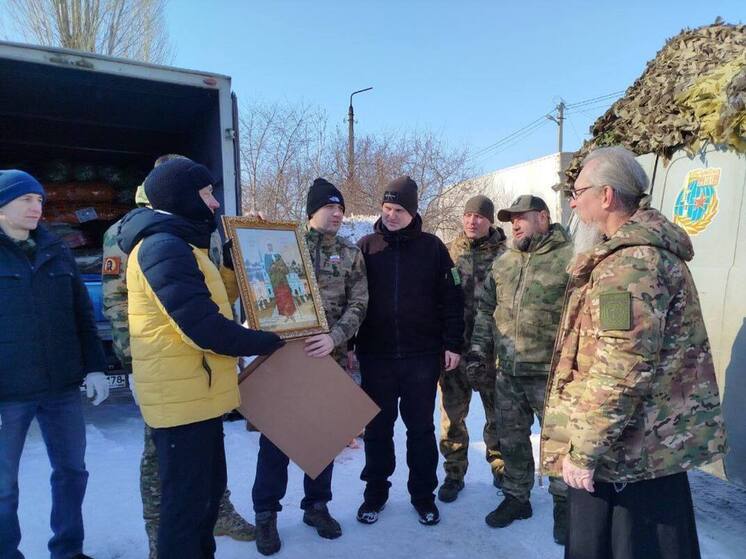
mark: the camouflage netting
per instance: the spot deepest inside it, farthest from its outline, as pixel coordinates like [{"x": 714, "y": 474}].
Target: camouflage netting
[{"x": 693, "y": 91}]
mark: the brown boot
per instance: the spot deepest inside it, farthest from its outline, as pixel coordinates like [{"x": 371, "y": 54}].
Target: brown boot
[{"x": 232, "y": 524}]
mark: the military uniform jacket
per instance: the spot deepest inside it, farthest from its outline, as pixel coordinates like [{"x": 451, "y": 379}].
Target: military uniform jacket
[
  {"x": 632, "y": 393},
  {"x": 474, "y": 258},
  {"x": 519, "y": 310},
  {"x": 340, "y": 274}
]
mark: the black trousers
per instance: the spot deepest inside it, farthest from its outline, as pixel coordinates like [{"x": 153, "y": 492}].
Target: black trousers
[
  {"x": 407, "y": 385},
  {"x": 271, "y": 480},
  {"x": 191, "y": 463},
  {"x": 651, "y": 519}
]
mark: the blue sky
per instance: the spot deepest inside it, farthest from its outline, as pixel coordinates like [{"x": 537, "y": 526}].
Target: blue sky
[{"x": 473, "y": 71}]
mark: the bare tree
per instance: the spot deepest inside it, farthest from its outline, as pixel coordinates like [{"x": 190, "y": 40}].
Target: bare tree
[
  {"x": 125, "y": 28},
  {"x": 283, "y": 148}
]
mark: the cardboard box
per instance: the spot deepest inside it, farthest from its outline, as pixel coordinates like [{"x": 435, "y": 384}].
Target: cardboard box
[{"x": 309, "y": 407}]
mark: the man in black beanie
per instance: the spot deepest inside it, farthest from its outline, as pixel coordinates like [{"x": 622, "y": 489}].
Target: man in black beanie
[
  {"x": 184, "y": 345},
  {"x": 413, "y": 327},
  {"x": 340, "y": 274}
]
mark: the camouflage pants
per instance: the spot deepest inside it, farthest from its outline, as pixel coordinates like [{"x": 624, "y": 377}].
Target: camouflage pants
[
  {"x": 150, "y": 487},
  {"x": 455, "y": 397},
  {"x": 518, "y": 399}
]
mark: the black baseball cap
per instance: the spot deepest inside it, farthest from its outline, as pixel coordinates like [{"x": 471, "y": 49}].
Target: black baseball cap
[{"x": 525, "y": 203}]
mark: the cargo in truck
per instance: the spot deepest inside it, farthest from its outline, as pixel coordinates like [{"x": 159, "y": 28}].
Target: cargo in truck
[{"x": 89, "y": 127}]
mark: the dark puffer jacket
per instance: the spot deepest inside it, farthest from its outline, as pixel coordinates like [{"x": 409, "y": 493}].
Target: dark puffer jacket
[
  {"x": 48, "y": 338},
  {"x": 415, "y": 302}
]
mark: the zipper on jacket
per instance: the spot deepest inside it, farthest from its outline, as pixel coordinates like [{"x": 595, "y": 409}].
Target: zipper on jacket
[
  {"x": 521, "y": 289},
  {"x": 207, "y": 368},
  {"x": 316, "y": 264},
  {"x": 555, "y": 360},
  {"x": 396, "y": 296}
]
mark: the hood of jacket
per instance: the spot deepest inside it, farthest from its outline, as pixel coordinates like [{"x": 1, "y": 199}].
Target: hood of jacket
[
  {"x": 555, "y": 237},
  {"x": 143, "y": 222},
  {"x": 493, "y": 239},
  {"x": 646, "y": 227}
]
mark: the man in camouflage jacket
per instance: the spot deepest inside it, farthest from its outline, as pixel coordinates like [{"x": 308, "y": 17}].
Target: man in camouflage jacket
[
  {"x": 114, "y": 290},
  {"x": 472, "y": 252},
  {"x": 633, "y": 402},
  {"x": 340, "y": 274},
  {"x": 518, "y": 314}
]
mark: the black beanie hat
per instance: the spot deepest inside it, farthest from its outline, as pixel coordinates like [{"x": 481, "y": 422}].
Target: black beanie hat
[
  {"x": 402, "y": 191},
  {"x": 481, "y": 205},
  {"x": 174, "y": 187},
  {"x": 321, "y": 193}
]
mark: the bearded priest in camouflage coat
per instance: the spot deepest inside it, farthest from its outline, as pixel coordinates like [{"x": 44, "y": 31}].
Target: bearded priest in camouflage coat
[{"x": 633, "y": 402}]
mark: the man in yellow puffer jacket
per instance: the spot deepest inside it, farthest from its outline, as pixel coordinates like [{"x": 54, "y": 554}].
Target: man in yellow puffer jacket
[{"x": 184, "y": 346}]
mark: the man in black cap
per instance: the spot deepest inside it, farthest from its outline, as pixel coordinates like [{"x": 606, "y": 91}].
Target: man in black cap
[
  {"x": 414, "y": 326},
  {"x": 340, "y": 274},
  {"x": 473, "y": 252},
  {"x": 184, "y": 345},
  {"x": 517, "y": 319}
]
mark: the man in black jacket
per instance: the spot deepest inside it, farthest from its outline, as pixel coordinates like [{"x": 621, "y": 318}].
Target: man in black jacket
[
  {"x": 48, "y": 345},
  {"x": 414, "y": 325}
]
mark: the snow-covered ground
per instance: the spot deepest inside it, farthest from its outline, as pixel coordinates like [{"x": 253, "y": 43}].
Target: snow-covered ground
[{"x": 114, "y": 526}]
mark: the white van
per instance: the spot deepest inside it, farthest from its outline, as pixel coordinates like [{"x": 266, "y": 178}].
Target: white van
[{"x": 705, "y": 194}]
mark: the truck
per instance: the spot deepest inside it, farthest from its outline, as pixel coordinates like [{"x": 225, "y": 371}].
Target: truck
[
  {"x": 705, "y": 193},
  {"x": 91, "y": 126}
]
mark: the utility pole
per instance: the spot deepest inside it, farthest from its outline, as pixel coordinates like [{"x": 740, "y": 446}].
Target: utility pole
[
  {"x": 351, "y": 139},
  {"x": 560, "y": 121},
  {"x": 563, "y": 206}
]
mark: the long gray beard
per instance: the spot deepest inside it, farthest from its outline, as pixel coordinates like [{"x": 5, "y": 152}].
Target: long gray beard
[{"x": 587, "y": 236}]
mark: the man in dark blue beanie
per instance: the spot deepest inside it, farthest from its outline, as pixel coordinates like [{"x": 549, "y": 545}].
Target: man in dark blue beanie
[
  {"x": 182, "y": 187},
  {"x": 49, "y": 346}
]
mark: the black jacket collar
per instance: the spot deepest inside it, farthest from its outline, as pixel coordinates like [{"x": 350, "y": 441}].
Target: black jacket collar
[{"x": 143, "y": 222}]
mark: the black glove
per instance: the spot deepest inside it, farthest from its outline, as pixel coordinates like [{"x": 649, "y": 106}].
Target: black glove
[{"x": 227, "y": 255}]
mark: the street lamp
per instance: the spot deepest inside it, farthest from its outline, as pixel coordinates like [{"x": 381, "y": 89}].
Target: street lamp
[{"x": 351, "y": 138}]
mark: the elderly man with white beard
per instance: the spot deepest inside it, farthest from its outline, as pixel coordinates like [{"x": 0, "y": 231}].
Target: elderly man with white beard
[{"x": 632, "y": 402}]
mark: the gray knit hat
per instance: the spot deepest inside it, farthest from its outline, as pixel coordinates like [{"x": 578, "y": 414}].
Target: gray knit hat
[{"x": 481, "y": 205}]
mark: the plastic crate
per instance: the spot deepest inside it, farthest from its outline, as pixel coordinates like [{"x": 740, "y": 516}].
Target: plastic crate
[{"x": 93, "y": 284}]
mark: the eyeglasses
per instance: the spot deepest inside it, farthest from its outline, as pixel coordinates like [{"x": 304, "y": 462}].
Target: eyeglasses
[{"x": 575, "y": 194}]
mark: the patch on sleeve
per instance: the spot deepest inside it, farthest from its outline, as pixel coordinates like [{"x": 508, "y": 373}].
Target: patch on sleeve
[
  {"x": 112, "y": 266},
  {"x": 616, "y": 311},
  {"x": 456, "y": 276}
]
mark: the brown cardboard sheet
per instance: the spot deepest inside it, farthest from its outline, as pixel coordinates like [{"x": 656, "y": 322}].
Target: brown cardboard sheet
[{"x": 309, "y": 407}]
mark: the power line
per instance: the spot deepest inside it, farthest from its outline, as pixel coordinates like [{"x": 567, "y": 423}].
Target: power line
[
  {"x": 593, "y": 100},
  {"x": 517, "y": 138},
  {"x": 531, "y": 126}
]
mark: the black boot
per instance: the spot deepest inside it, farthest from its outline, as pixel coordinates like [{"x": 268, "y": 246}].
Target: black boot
[
  {"x": 560, "y": 522},
  {"x": 509, "y": 510},
  {"x": 368, "y": 512},
  {"x": 267, "y": 539},
  {"x": 448, "y": 492},
  {"x": 428, "y": 512},
  {"x": 318, "y": 516}
]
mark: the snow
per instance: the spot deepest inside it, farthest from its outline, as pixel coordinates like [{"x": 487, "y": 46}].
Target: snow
[{"x": 113, "y": 513}]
